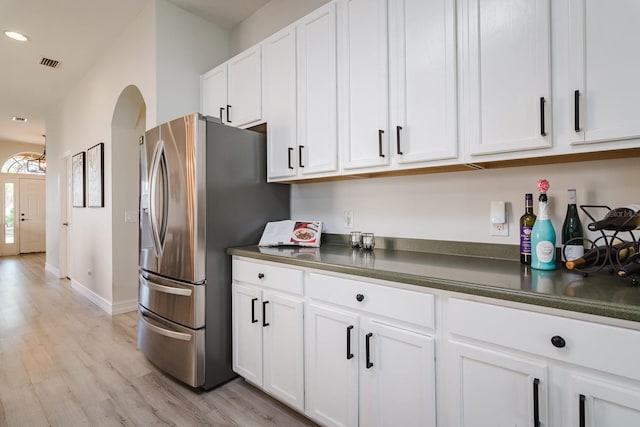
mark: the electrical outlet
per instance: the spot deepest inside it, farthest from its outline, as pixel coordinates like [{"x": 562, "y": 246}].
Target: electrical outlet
[
  {"x": 498, "y": 222},
  {"x": 348, "y": 219}
]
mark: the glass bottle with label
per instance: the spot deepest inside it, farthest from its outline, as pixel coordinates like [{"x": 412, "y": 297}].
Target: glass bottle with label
[
  {"x": 572, "y": 231},
  {"x": 526, "y": 224},
  {"x": 543, "y": 239}
]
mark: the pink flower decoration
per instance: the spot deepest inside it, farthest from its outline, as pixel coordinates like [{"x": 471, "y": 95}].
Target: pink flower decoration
[{"x": 543, "y": 185}]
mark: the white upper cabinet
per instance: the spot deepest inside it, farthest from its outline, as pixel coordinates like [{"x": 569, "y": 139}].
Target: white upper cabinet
[
  {"x": 245, "y": 88},
  {"x": 279, "y": 74},
  {"x": 213, "y": 89},
  {"x": 364, "y": 116},
  {"x": 317, "y": 92},
  {"x": 423, "y": 81},
  {"x": 506, "y": 75},
  {"x": 604, "y": 70}
]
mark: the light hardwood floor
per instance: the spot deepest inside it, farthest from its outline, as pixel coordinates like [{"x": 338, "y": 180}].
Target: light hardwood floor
[{"x": 65, "y": 362}]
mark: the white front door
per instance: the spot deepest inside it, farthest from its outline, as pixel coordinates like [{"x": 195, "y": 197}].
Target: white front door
[
  {"x": 8, "y": 216},
  {"x": 32, "y": 215}
]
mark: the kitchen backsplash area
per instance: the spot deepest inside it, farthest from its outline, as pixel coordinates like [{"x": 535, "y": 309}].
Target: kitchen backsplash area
[{"x": 455, "y": 206}]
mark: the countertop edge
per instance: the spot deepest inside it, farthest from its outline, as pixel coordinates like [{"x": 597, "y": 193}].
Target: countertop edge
[{"x": 596, "y": 308}]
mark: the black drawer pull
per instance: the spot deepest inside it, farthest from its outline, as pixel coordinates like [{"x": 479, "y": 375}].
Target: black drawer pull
[
  {"x": 349, "y": 354},
  {"x": 228, "y": 110},
  {"x": 221, "y": 110},
  {"x": 289, "y": 151},
  {"x": 583, "y": 422},
  {"x": 558, "y": 341},
  {"x": 380, "y": 133},
  {"x": 536, "y": 403},
  {"x": 360, "y": 297},
  {"x": 576, "y": 111},
  {"x": 260, "y": 275},
  {"x": 253, "y": 310},
  {"x": 542, "y": 126},
  {"x": 300, "y": 147},
  {"x": 368, "y": 350},
  {"x": 398, "y": 131},
  {"x": 264, "y": 313}
]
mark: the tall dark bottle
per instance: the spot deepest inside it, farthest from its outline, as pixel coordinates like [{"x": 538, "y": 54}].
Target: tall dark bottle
[
  {"x": 626, "y": 218},
  {"x": 526, "y": 224},
  {"x": 572, "y": 231}
]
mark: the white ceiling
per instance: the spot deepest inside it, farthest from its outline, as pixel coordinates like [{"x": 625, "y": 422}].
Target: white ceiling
[{"x": 74, "y": 32}]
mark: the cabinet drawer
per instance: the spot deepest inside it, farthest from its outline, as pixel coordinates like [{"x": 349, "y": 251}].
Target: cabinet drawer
[
  {"x": 398, "y": 304},
  {"x": 269, "y": 276},
  {"x": 607, "y": 348}
]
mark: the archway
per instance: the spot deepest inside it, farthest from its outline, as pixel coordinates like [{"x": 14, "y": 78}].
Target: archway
[{"x": 127, "y": 126}]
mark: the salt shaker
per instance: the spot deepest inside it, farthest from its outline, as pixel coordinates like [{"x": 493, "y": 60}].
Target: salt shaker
[
  {"x": 356, "y": 239},
  {"x": 368, "y": 241}
]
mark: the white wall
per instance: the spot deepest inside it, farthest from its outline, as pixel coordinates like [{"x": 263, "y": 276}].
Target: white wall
[
  {"x": 455, "y": 206},
  {"x": 270, "y": 18},
  {"x": 186, "y": 46}
]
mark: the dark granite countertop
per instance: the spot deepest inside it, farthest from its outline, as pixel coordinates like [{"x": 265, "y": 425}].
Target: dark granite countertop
[{"x": 601, "y": 294}]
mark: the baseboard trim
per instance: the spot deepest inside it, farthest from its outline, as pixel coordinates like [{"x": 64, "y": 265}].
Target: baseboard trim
[
  {"x": 103, "y": 304},
  {"x": 51, "y": 269}
]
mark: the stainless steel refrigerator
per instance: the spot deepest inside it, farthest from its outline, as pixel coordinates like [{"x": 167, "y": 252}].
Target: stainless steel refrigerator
[{"x": 202, "y": 189}]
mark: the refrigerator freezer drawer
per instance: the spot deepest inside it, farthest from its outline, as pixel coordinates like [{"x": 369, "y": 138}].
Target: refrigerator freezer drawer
[
  {"x": 180, "y": 302},
  {"x": 177, "y": 350}
]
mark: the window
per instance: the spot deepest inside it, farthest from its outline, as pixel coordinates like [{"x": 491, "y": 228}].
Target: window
[
  {"x": 9, "y": 214},
  {"x": 28, "y": 162}
]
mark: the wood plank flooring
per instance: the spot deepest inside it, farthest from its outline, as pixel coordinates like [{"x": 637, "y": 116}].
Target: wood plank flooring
[{"x": 65, "y": 362}]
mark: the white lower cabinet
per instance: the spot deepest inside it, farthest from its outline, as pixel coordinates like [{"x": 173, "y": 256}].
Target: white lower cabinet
[
  {"x": 597, "y": 402},
  {"x": 267, "y": 328},
  {"x": 493, "y": 388}
]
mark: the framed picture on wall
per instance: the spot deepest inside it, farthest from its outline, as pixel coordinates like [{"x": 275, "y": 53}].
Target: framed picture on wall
[
  {"x": 95, "y": 176},
  {"x": 77, "y": 180}
]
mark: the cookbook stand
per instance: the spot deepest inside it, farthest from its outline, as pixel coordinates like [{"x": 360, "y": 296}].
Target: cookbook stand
[{"x": 618, "y": 244}]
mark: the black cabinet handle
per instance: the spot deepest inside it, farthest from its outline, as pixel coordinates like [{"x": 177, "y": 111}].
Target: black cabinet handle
[
  {"x": 228, "y": 110},
  {"x": 558, "y": 341},
  {"x": 221, "y": 110},
  {"x": 260, "y": 275},
  {"x": 368, "y": 350},
  {"x": 300, "y": 147},
  {"x": 398, "y": 131},
  {"x": 360, "y": 297},
  {"x": 583, "y": 422},
  {"x": 349, "y": 354},
  {"x": 576, "y": 110},
  {"x": 380, "y": 133},
  {"x": 536, "y": 403},
  {"x": 542, "y": 127},
  {"x": 253, "y": 310},
  {"x": 289, "y": 151},
  {"x": 264, "y": 313}
]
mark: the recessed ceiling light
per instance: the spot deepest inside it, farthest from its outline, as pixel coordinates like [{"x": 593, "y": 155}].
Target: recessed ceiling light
[
  {"x": 19, "y": 119},
  {"x": 16, "y": 36}
]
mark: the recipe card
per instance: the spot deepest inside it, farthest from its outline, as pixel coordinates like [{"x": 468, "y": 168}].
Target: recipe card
[{"x": 290, "y": 232}]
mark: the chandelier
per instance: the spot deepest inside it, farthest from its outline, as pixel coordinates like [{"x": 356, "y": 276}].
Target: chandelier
[{"x": 39, "y": 164}]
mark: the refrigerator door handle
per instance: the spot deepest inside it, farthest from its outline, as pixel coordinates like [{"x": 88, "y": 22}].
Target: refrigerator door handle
[
  {"x": 166, "y": 289},
  {"x": 165, "y": 332},
  {"x": 158, "y": 167}
]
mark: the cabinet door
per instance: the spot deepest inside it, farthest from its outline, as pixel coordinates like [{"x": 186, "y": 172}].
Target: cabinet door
[
  {"x": 331, "y": 367},
  {"x": 506, "y": 82},
  {"x": 397, "y": 377},
  {"x": 279, "y": 75},
  {"x": 497, "y": 389},
  {"x": 364, "y": 118},
  {"x": 600, "y": 403},
  {"x": 283, "y": 348},
  {"x": 423, "y": 80},
  {"x": 213, "y": 89},
  {"x": 317, "y": 92},
  {"x": 247, "y": 332},
  {"x": 604, "y": 70},
  {"x": 245, "y": 88}
]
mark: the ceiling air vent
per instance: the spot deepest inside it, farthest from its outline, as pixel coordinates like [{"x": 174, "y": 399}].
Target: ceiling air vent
[
  {"x": 49, "y": 62},
  {"x": 19, "y": 119}
]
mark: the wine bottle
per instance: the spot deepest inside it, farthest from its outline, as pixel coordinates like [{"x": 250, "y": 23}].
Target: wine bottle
[
  {"x": 543, "y": 236},
  {"x": 620, "y": 252},
  {"x": 526, "y": 224},
  {"x": 629, "y": 269},
  {"x": 625, "y": 218},
  {"x": 572, "y": 231}
]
